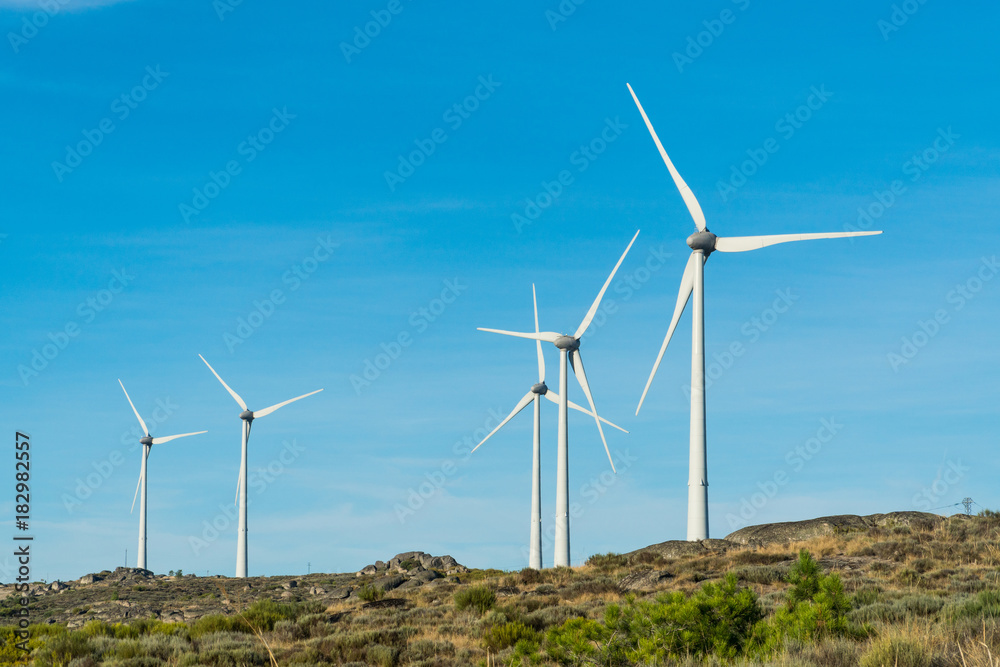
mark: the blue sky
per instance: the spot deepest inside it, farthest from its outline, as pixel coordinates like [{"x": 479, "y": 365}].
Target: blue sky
[{"x": 170, "y": 169}]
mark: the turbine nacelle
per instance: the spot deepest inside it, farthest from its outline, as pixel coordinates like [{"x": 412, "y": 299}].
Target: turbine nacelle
[
  {"x": 541, "y": 389},
  {"x": 704, "y": 241},
  {"x": 567, "y": 343},
  {"x": 147, "y": 440},
  {"x": 246, "y": 415}
]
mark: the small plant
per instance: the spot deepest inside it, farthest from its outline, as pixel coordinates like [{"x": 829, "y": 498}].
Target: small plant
[
  {"x": 370, "y": 593},
  {"x": 409, "y": 564},
  {"x": 607, "y": 562},
  {"x": 480, "y": 598},
  {"x": 499, "y": 637}
]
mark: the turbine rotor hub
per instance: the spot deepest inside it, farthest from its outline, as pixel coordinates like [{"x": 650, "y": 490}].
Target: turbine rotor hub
[
  {"x": 704, "y": 241},
  {"x": 147, "y": 440},
  {"x": 541, "y": 389},
  {"x": 246, "y": 415},
  {"x": 567, "y": 343}
]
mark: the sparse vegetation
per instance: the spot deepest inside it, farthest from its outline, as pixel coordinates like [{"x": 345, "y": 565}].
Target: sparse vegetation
[{"x": 895, "y": 595}]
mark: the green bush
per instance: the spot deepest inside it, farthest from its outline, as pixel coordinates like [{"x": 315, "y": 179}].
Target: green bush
[
  {"x": 499, "y": 637},
  {"x": 608, "y": 562},
  {"x": 383, "y": 656},
  {"x": 61, "y": 649},
  {"x": 578, "y": 641},
  {"x": 480, "y": 598},
  {"x": 816, "y": 606},
  {"x": 720, "y": 619},
  {"x": 370, "y": 593}
]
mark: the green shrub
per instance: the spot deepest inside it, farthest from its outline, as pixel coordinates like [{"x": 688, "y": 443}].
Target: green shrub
[
  {"x": 608, "y": 562},
  {"x": 480, "y": 598},
  {"x": 499, "y": 637},
  {"x": 383, "y": 656},
  {"x": 578, "y": 641},
  {"x": 409, "y": 564},
  {"x": 370, "y": 593},
  {"x": 61, "y": 649},
  {"x": 720, "y": 619},
  {"x": 985, "y": 604}
]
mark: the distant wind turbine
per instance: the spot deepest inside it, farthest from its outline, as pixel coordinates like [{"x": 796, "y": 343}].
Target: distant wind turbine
[
  {"x": 241, "y": 485},
  {"x": 702, "y": 244},
  {"x": 569, "y": 351},
  {"x": 535, "y": 395},
  {"x": 147, "y": 442}
]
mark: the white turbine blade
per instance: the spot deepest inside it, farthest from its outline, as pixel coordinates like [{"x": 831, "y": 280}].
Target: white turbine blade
[
  {"x": 266, "y": 411},
  {"x": 547, "y": 336},
  {"x": 554, "y": 397},
  {"x": 597, "y": 302},
  {"x": 228, "y": 388},
  {"x": 581, "y": 377},
  {"x": 239, "y": 482},
  {"x": 522, "y": 404},
  {"x": 538, "y": 343},
  {"x": 168, "y": 438},
  {"x": 139, "y": 483},
  {"x": 687, "y": 286},
  {"x": 689, "y": 199},
  {"x": 744, "y": 243},
  {"x": 137, "y": 415}
]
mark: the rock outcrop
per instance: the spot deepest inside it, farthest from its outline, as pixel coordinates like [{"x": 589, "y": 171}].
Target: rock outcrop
[{"x": 796, "y": 531}]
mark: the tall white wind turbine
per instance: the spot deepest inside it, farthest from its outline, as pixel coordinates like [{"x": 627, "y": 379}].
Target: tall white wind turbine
[
  {"x": 535, "y": 395},
  {"x": 702, "y": 244},
  {"x": 147, "y": 443},
  {"x": 569, "y": 351},
  {"x": 247, "y": 417}
]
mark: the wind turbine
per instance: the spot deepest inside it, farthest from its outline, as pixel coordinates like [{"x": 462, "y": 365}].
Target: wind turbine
[
  {"x": 569, "y": 349},
  {"x": 535, "y": 395},
  {"x": 147, "y": 442},
  {"x": 247, "y": 416},
  {"x": 702, "y": 244}
]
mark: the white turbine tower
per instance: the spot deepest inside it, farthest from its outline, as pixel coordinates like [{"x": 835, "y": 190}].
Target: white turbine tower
[
  {"x": 569, "y": 349},
  {"x": 535, "y": 395},
  {"x": 247, "y": 417},
  {"x": 702, "y": 244},
  {"x": 147, "y": 442}
]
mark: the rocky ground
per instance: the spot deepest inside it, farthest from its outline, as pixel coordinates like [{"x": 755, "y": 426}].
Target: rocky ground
[{"x": 130, "y": 593}]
